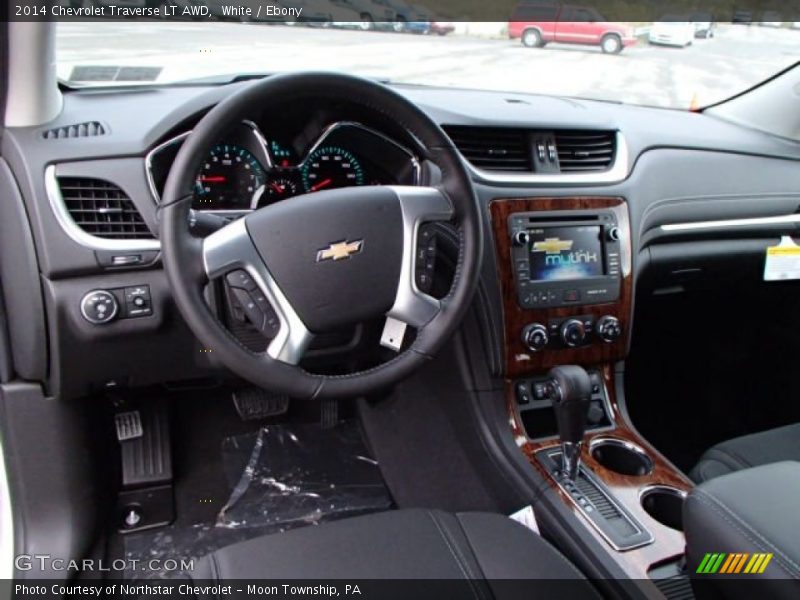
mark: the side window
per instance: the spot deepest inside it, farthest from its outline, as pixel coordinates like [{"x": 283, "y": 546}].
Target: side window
[{"x": 534, "y": 13}]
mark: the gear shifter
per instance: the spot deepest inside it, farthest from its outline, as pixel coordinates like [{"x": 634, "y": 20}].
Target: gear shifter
[{"x": 570, "y": 390}]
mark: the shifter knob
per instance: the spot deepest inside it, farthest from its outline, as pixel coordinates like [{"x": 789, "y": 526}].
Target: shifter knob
[{"x": 570, "y": 391}]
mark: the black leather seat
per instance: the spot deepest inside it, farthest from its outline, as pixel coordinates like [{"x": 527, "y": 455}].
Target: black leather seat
[
  {"x": 748, "y": 451},
  {"x": 479, "y": 549}
]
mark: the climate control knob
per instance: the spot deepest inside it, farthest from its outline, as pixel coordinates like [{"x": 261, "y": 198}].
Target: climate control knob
[
  {"x": 99, "y": 307},
  {"x": 535, "y": 337},
  {"x": 608, "y": 328},
  {"x": 573, "y": 333}
]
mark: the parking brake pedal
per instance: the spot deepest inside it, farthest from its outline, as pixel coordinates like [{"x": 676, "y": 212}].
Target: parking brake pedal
[
  {"x": 145, "y": 500},
  {"x": 254, "y": 403}
]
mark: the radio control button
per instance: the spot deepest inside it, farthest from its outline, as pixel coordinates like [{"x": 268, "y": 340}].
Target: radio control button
[{"x": 572, "y": 295}]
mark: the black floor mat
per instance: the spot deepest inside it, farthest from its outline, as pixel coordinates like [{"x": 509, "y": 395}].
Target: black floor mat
[{"x": 280, "y": 477}]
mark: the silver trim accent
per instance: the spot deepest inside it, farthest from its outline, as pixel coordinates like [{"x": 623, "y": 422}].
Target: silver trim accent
[
  {"x": 619, "y": 171},
  {"x": 148, "y": 163},
  {"x": 92, "y": 320},
  {"x": 259, "y": 135},
  {"x": 660, "y": 487},
  {"x": 732, "y": 223},
  {"x": 77, "y": 234},
  {"x": 601, "y": 487},
  {"x": 326, "y": 133},
  {"x": 231, "y": 248},
  {"x": 417, "y": 204}
]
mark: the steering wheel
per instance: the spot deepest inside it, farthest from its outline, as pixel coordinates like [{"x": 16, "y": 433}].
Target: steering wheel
[{"x": 324, "y": 259}]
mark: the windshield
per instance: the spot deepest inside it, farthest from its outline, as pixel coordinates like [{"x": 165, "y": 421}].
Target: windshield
[{"x": 687, "y": 64}]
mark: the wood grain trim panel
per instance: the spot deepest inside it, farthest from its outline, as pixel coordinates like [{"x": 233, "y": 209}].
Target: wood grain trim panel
[
  {"x": 668, "y": 543},
  {"x": 518, "y": 359}
]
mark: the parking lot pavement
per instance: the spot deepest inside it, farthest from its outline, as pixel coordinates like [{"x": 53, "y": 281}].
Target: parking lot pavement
[{"x": 705, "y": 72}]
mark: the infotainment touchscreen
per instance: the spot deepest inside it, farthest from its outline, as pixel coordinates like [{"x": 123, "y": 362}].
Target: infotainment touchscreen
[{"x": 559, "y": 253}]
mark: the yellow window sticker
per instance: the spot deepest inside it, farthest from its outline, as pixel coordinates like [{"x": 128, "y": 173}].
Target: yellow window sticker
[{"x": 783, "y": 261}]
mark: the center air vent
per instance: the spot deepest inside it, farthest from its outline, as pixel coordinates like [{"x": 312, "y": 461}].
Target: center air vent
[
  {"x": 101, "y": 209},
  {"x": 79, "y": 130},
  {"x": 535, "y": 151},
  {"x": 493, "y": 149},
  {"x": 581, "y": 151}
]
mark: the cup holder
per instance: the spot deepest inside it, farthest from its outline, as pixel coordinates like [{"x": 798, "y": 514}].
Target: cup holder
[
  {"x": 621, "y": 457},
  {"x": 664, "y": 504}
]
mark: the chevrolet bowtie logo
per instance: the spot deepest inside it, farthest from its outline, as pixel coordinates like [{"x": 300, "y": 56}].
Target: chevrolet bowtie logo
[
  {"x": 340, "y": 250},
  {"x": 552, "y": 245}
]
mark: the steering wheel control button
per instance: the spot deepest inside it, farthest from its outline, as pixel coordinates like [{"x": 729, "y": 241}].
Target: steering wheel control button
[
  {"x": 138, "y": 302},
  {"x": 271, "y": 323},
  {"x": 241, "y": 279},
  {"x": 425, "y": 258},
  {"x": 254, "y": 314},
  {"x": 99, "y": 307}
]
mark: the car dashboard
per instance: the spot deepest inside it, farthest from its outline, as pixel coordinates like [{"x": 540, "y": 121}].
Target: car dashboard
[{"x": 87, "y": 216}]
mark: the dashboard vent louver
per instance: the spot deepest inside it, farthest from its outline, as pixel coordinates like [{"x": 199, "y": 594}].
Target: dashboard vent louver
[
  {"x": 102, "y": 209},
  {"x": 493, "y": 148},
  {"x": 585, "y": 151},
  {"x": 79, "y": 130}
]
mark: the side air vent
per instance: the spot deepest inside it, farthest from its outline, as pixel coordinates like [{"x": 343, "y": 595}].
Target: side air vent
[
  {"x": 585, "y": 151},
  {"x": 493, "y": 149},
  {"x": 101, "y": 209},
  {"x": 79, "y": 130}
]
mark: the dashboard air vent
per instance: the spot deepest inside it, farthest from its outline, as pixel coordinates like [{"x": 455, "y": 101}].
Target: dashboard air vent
[
  {"x": 101, "y": 209},
  {"x": 79, "y": 130},
  {"x": 491, "y": 148},
  {"x": 585, "y": 151}
]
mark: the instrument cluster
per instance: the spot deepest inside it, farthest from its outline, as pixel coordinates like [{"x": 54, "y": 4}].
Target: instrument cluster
[{"x": 249, "y": 169}]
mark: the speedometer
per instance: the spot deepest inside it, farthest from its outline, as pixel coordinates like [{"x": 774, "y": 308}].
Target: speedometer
[
  {"x": 331, "y": 167},
  {"x": 231, "y": 178}
]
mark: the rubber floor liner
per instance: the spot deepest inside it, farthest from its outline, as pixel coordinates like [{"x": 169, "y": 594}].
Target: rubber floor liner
[{"x": 282, "y": 477}]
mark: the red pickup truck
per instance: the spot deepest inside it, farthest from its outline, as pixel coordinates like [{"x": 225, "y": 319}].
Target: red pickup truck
[{"x": 537, "y": 23}]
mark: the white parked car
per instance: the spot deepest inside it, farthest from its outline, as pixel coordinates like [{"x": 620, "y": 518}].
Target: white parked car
[{"x": 671, "y": 31}]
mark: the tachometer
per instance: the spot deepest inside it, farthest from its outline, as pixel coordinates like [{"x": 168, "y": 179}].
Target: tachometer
[
  {"x": 331, "y": 167},
  {"x": 230, "y": 179}
]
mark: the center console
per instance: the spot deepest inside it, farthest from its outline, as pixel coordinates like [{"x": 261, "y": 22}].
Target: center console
[{"x": 565, "y": 271}]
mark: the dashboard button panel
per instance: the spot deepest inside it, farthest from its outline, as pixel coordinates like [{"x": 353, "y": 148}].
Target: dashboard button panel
[{"x": 100, "y": 307}]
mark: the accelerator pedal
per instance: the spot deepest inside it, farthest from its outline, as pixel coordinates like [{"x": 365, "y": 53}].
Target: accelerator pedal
[{"x": 254, "y": 403}]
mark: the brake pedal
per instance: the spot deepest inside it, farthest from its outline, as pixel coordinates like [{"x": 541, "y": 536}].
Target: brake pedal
[{"x": 254, "y": 403}]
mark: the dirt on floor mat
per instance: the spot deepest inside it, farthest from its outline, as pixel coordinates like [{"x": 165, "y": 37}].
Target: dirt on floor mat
[{"x": 281, "y": 477}]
